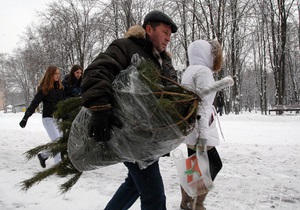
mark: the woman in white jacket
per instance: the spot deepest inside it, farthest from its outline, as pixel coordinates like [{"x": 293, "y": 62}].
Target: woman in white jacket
[{"x": 205, "y": 58}]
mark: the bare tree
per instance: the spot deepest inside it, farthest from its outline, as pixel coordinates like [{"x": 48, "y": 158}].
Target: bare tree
[
  {"x": 262, "y": 60},
  {"x": 20, "y": 75},
  {"x": 124, "y": 14},
  {"x": 70, "y": 30},
  {"x": 298, "y": 10},
  {"x": 278, "y": 27},
  {"x": 256, "y": 36}
]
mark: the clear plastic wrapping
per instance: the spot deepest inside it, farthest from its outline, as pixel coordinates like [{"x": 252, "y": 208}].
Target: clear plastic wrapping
[
  {"x": 150, "y": 130},
  {"x": 84, "y": 152}
]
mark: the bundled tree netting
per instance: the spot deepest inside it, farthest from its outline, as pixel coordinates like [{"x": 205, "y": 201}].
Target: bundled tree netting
[{"x": 155, "y": 119}]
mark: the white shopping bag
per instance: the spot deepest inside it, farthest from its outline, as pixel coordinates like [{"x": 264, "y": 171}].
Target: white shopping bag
[{"x": 193, "y": 171}]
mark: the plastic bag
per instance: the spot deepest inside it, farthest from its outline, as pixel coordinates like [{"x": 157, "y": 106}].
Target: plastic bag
[{"x": 193, "y": 171}]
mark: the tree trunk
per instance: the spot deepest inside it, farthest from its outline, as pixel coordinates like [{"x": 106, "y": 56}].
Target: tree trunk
[{"x": 236, "y": 99}]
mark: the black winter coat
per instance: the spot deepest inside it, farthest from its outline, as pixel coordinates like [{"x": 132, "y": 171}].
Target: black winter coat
[
  {"x": 220, "y": 100},
  {"x": 99, "y": 75},
  {"x": 71, "y": 90},
  {"x": 50, "y": 101}
]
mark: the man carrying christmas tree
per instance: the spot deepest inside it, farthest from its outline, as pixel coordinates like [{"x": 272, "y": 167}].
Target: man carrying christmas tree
[{"x": 149, "y": 42}]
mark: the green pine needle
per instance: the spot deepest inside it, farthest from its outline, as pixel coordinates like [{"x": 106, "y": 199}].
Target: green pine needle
[
  {"x": 65, "y": 114},
  {"x": 37, "y": 178},
  {"x": 70, "y": 183}
]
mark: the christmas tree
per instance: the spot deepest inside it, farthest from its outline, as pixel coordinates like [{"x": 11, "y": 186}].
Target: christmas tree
[{"x": 65, "y": 114}]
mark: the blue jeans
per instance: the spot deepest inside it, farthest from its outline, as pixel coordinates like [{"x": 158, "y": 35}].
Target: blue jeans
[{"x": 146, "y": 184}]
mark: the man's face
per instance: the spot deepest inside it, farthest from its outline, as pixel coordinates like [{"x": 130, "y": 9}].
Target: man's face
[{"x": 160, "y": 36}]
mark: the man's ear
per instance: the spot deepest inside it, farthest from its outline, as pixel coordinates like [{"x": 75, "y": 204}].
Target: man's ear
[{"x": 148, "y": 29}]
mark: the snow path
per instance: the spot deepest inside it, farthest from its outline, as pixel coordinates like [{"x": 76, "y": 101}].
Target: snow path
[{"x": 260, "y": 171}]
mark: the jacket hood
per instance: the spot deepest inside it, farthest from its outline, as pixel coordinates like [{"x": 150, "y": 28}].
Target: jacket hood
[
  {"x": 206, "y": 53},
  {"x": 200, "y": 53},
  {"x": 136, "y": 31}
]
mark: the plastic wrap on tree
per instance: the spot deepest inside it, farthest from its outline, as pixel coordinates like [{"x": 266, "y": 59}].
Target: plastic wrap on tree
[
  {"x": 155, "y": 118},
  {"x": 84, "y": 152}
]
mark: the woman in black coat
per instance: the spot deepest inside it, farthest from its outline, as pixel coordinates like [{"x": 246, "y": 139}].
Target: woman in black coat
[
  {"x": 72, "y": 82},
  {"x": 50, "y": 91}
]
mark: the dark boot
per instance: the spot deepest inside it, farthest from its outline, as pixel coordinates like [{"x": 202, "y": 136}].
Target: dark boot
[
  {"x": 42, "y": 160},
  {"x": 198, "y": 203},
  {"x": 186, "y": 200}
]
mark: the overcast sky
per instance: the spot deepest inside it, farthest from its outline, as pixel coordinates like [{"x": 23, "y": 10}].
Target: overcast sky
[{"x": 15, "y": 16}]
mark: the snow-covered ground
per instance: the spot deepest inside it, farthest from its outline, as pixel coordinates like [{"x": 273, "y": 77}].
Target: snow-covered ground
[{"x": 261, "y": 168}]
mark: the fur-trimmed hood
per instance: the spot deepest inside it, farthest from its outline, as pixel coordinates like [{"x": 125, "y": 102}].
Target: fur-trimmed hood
[
  {"x": 136, "y": 31},
  {"x": 206, "y": 53}
]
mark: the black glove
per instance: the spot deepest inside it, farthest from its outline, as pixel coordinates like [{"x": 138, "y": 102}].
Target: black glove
[
  {"x": 23, "y": 123},
  {"x": 102, "y": 122}
]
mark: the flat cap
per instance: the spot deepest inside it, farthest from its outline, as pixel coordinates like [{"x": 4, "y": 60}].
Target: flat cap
[{"x": 158, "y": 16}]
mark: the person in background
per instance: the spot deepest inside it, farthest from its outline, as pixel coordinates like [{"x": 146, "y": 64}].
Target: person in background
[
  {"x": 50, "y": 91},
  {"x": 220, "y": 102},
  {"x": 72, "y": 82},
  {"x": 205, "y": 58},
  {"x": 150, "y": 42}
]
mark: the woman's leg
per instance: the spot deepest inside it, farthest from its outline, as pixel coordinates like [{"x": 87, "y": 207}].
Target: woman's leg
[
  {"x": 198, "y": 203},
  {"x": 53, "y": 132},
  {"x": 186, "y": 200},
  {"x": 215, "y": 162}
]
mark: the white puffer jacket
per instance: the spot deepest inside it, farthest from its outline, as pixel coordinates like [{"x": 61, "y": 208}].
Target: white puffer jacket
[{"x": 200, "y": 74}]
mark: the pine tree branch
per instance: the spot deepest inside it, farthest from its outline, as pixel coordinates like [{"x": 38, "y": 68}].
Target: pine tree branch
[
  {"x": 38, "y": 177},
  {"x": 70, "y": 183}
]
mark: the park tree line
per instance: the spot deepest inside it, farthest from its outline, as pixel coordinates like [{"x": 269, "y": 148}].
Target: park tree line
[{"x": 260, "y": 39}]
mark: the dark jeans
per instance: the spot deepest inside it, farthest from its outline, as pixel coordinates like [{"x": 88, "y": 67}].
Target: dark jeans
[
  {"x": 146, "y": 184},
  {"x": 215, "y": 162},
  {"x": 220, "y": 110}
]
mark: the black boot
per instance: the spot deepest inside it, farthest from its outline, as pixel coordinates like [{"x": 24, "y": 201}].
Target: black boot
[{"x": 42, "y": 160}]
